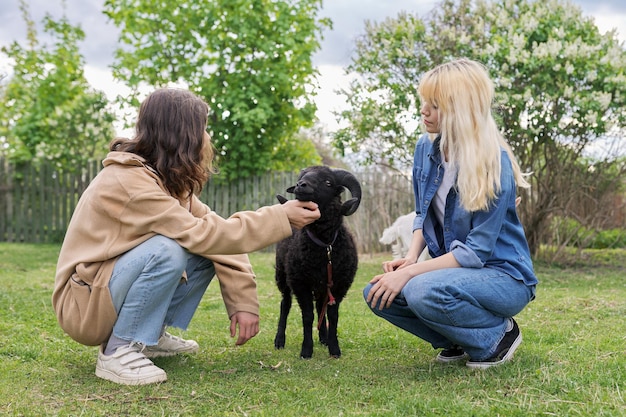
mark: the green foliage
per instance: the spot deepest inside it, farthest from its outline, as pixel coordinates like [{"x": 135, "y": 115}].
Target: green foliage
[
  {"x": 249, "y": 59},
  {"x": 612, "y": 238},
  {"x": 48, "y": 111},
  {"x": 295, "y": 152},
  {"x": 571, "y": 362},
  {"x": 383, "y": 100},
  {"x": 559, "y": 91},
  {"x": 569, "y": 232}
]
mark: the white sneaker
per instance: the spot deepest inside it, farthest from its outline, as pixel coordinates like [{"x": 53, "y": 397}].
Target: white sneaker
[
  {"x": 169, "y": 345},
  {"x": 128, "y": 366}
]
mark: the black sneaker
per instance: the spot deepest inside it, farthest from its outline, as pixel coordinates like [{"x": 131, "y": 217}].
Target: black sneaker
[
  {"x": 452, "y": 354},
  {"x": 504, "y": 352}
]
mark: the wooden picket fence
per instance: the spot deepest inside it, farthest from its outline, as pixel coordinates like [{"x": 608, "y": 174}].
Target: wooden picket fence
[{"x": 36, "y": 202}]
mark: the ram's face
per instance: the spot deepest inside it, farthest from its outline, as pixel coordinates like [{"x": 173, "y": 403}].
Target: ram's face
[{"x": 315, "y": 185}]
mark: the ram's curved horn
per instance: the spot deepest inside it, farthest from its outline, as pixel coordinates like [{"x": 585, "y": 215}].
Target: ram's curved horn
[{"x": 349, "y": 181}]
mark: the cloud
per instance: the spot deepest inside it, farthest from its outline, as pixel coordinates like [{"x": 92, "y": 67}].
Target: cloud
[
  {"x": 593, "y": 6},
  {"x": 100, "y": 35},
  {"x": 349, "y": 22}
]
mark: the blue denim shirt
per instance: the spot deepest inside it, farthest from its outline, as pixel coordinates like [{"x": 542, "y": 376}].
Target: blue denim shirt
[{"x": 480, "y": 239}]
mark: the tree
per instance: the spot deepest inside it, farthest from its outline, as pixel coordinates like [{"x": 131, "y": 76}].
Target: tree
[
  {"x": 560, "y": 90},
  {"x": 382, "y": 100},
  {"x": 47, "y": 109},
  {"x": 249, "y": 59}
]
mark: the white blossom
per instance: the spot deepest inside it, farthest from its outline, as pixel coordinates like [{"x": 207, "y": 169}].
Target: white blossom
[
  {"x": 568, "y": 92},
  {"x": 591, "y": 117},
  {"x": 540, "y": 51},
  {"x": 554, "y": 46},
  {"x": 530, "y": 24},
  {"x": 592, "y": 75},
  {"x": 571, "y": 49},
  {"x": 518, "y": 40},
  {"x": 492, "y": 49},
  {"x": 604, "y": 98}
]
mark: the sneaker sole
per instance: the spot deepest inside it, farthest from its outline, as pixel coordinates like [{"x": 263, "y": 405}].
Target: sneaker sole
[
  {"x": 113, "y": 377},
  {"x": 505, "y": 358},
  {"x": 165, "y": 353},
  {"x": 451, "y": 359}
]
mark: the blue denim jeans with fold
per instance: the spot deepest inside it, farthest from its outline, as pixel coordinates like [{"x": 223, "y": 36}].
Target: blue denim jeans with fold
[
  {"x": 468, "y": 307},
  {"x": 148, "y": 292}
]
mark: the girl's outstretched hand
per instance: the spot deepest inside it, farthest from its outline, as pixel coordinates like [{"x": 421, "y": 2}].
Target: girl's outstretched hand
[{"x": 301, "y": 213}]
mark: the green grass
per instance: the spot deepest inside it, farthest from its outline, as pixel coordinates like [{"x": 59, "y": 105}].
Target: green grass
[{"x": 572, "y": 361}]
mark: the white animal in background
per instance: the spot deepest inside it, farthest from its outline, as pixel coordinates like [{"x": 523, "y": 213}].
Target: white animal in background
[{"x": 399, "y": 236}]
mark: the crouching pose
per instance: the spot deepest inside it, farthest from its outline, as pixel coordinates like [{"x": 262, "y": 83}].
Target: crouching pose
[
  {"x": 141, "y": 249},
  {"x": 481, "y": 275}
]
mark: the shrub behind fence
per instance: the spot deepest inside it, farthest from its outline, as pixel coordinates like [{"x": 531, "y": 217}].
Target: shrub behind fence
[{"x": 36, "y": 202}]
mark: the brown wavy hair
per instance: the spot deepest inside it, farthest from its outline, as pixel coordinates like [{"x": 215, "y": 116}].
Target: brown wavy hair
[{"x": 170, "y": 134}]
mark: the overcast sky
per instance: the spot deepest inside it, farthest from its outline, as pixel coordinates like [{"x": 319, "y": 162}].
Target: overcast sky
[{"x": 348, "y": 18}]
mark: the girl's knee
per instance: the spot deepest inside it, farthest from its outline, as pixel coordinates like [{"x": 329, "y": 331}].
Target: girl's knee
[
  {"x": 422, "y": 294},
  {"x": 169, "y": 250},
  {"x": 366, "y": 291}
]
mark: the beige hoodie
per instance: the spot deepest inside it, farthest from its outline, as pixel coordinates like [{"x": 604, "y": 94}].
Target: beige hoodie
[{"x": 126, "y": 204}]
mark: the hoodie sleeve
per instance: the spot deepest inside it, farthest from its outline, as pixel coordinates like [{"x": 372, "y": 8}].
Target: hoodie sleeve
[
  {"x": 147, "y": 209},
  {"x": 237, "y": 283}
]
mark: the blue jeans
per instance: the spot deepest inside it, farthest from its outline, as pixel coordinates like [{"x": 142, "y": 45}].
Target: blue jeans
[
  {"x": 460, "y": 306},
  {"x": 148, "y": 293}
]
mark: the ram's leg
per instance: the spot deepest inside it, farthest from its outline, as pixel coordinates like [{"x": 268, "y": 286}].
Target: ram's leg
[
  {"x": 306, "y": 305},
  {"x": 285, "y": 306},
  {"x": 323, "y": 328},
  {"x": 333, "y": 318}
]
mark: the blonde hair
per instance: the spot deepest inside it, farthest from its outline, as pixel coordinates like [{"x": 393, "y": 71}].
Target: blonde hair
[{"x": 462, "y": 92}]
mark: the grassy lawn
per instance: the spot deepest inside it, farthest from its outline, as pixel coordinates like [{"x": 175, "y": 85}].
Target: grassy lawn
[{"x": 572, "y": 361}]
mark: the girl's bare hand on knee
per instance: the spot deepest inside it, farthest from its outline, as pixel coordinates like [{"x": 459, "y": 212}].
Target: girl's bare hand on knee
[{"x": 386, "y": 287}]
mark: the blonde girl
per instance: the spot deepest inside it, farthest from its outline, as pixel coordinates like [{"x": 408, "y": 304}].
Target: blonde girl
[{"x": 465, "y": 179}]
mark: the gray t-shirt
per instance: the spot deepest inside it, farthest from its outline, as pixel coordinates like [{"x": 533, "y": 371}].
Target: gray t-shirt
[{"x": 439, "y": 202}]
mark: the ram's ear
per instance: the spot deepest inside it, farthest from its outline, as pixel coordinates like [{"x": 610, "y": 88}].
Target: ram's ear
[
  {"x": 291, "y": 189},
  {"x": 281, "y": 199}
]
